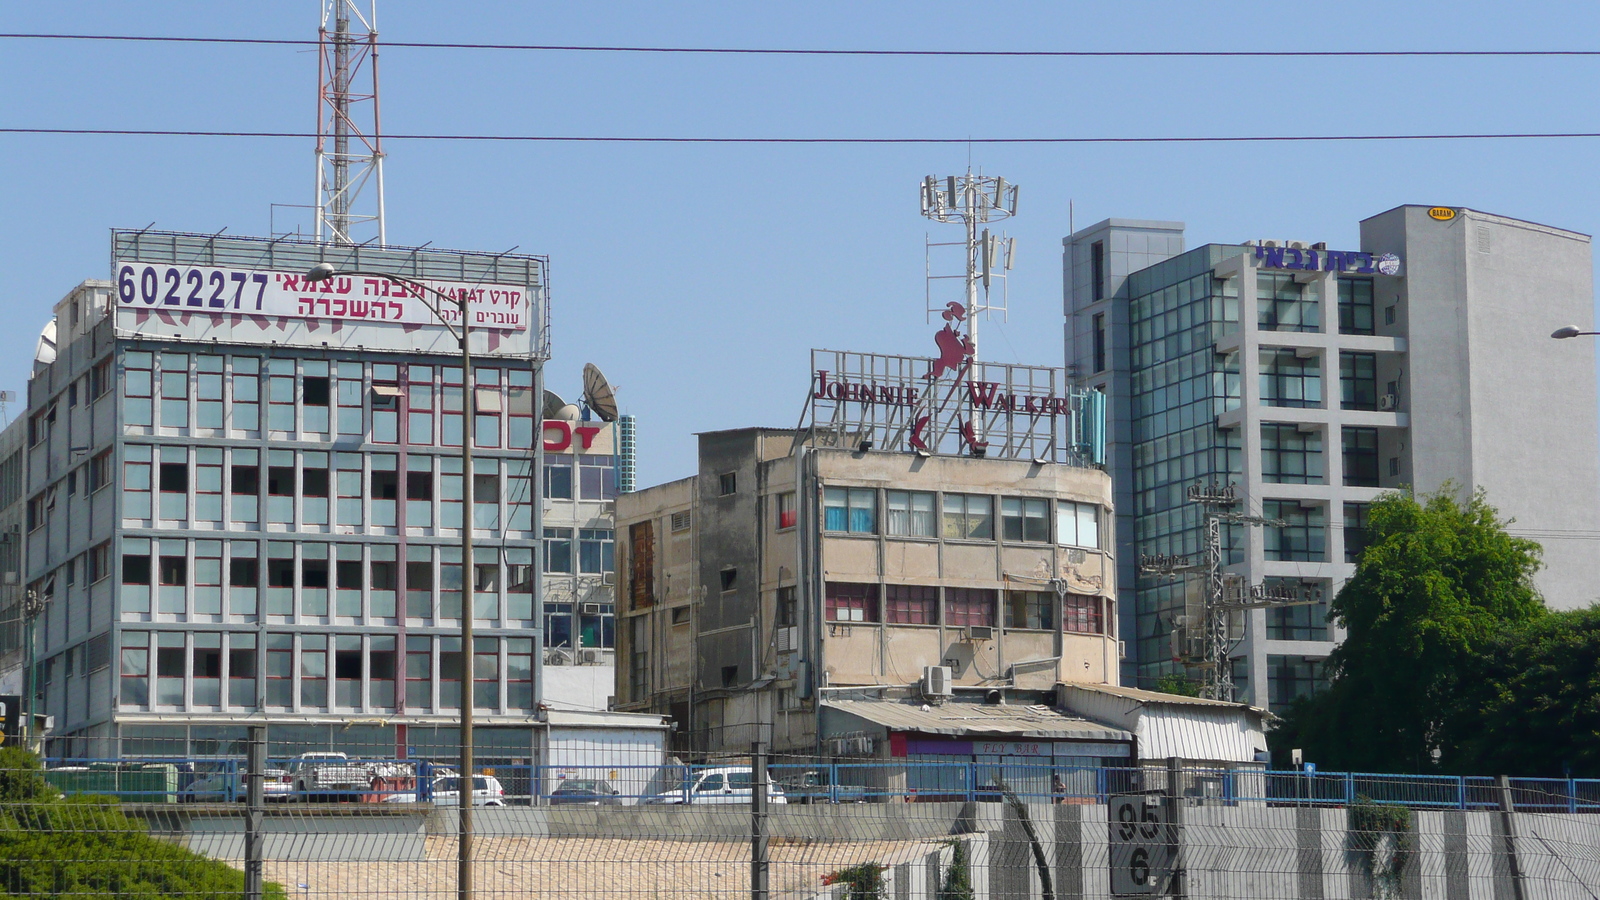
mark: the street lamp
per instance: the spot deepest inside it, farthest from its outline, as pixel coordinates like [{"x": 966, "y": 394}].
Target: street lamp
[
  {"x": 464, "y": 780},
  {"x": 1569, "y": 331}
]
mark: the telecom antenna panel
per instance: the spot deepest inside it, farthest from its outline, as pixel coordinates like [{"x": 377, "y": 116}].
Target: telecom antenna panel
[
  {"x": 349, "y": 146},
  {"x": 972, "y": 201}
]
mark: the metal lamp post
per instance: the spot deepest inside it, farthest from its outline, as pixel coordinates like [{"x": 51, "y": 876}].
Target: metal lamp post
[{"x": 464, "y": 779}]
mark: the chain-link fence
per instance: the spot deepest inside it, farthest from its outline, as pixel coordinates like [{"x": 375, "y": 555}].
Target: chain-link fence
[{"x": 354, "y": 823}]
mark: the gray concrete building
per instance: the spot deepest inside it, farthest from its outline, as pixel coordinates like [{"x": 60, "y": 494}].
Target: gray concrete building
[
  {"x": 244, "y": 501},
  {"x": 1317, "y": 379}
]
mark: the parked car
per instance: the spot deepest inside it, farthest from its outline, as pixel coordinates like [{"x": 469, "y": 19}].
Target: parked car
[
  {"x": 486, "y": 791},
  {"x": 585, "y": 792},
  {"x": 720, "y": 784},
  {"x": 812, "y": 786},
  {"x": 213, "y": 787},
  {"x": 327, "y": 776}
]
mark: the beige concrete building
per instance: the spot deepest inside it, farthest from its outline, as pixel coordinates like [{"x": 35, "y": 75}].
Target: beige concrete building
[{"x": 784, "y": 575}]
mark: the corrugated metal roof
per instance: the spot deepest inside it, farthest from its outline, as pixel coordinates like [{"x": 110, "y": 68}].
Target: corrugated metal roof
[
  {"x": 1038, "y": 722},
  {"x": 1168, "y": 725},
  {"x": 1158, "y": 697}
]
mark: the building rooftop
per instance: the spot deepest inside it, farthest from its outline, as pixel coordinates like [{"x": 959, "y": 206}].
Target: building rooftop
[{"x": 971, "y": 718}]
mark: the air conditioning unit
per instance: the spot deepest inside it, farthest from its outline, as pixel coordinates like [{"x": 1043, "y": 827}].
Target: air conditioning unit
[
  {"x": 936, "y": 681},
  {"x": 980, "y": 633},
  {"x": 1388, "y": 402},
  {"x": 588, "y": 657},
  {"x": 608, "y": 578},
  {"x": 591, "y": 609}
]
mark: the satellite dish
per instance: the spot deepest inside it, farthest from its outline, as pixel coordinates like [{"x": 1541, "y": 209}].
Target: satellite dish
[
  {"x": 552, "y": 405},
  {"x": 44, "y": 353},
  {"x": 570, "y": 412},
  {"x": 599, "y": 394}
]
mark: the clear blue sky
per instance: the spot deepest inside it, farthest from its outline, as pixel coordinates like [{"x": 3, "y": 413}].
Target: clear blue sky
[{"x": 699, "y": 276}]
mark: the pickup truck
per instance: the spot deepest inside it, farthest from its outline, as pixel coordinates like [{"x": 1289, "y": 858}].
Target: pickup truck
[{"x": 327, "y": 776}]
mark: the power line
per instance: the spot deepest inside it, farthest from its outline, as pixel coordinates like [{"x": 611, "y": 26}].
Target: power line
[
  {"x": 538, "y": 138},
  {"x": 799, "y": 51}
]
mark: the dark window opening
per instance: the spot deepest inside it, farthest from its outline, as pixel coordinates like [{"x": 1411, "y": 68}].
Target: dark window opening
[
  {"x": 174, "y": 570},
  {"x": 246, "y": 479},
  {"x": 419, "y": 485},
  {"x": 314, "y": 482},
  {"x": 244, "y": 573},
  {"x": 135, "y": 569},
  {"x": 730, "y": 676},
  {"x": 385, "y": 485},
  {"x": 347, "y": 664},
  {"x": 1097, "y": 271},
  {"x": 348, "y": 573},
  {"x": 169, "y": 662},
  {"x": 314, "y": 390},
  {"x": 383, "y": 575},
  {"x": 280, "y": 573},
  {"x": 174, "y": 477},
  {"x": 730, "y": 577},
  {"x": 280, "y": 481},
  {"x": 207, "y": 662},
  {"x": 382, "y": 665},
  {"x": 728, "y": 483},
  {"x": 314, "y": 573}
]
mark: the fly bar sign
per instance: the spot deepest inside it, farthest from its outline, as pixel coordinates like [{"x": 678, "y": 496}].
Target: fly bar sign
[{"x": 1141, "y": 844}]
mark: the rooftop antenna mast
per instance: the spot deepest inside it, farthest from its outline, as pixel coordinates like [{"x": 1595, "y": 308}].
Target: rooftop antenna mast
[
  {"x": 349, "y": 152},
  {"x": 973, "y": 201}
]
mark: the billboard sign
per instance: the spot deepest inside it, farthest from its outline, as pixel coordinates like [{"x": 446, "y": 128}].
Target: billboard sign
[
  {"x": 156, "y": 288},
  {"x": 1350, "y": 262}
]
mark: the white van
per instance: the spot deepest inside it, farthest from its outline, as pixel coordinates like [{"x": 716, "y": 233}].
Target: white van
[{"x": 722, "y": 784}]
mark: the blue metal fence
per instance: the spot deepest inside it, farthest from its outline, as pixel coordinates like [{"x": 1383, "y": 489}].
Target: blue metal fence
[{"x": 221, "y": 780}]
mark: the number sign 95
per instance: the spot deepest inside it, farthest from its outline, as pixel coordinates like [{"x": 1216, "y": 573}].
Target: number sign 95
[{"x": 191, "y": 287}]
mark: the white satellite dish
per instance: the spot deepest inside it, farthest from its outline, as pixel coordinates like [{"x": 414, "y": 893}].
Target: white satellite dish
[
  {"x": 552, "y": 405},
  {"x": 599, "y": 394}
]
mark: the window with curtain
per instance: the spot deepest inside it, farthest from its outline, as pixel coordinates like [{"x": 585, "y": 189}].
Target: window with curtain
[
  {"x": 851, "y": 510},
  {"x": 910, "y": 514}
]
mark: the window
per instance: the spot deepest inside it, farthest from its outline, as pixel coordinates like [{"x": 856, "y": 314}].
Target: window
[
  {"x": 1081, "y": 614},
  {"x": 170, "y": 666},
  {"x": 852, "y": 510},
  {"x": 1388, "y": 315},
  {"x": 136, "y": 575},
  {"x": 848, "y": 602},
  {"x": 1290, "y": 455},
  {"x": 486, "y": 673},
  {"x": 558, "y": 549},
  {"x": 911, "y": 604},
  {"x": 1355, "y": 531},
  {"x": 175, "y": 390},
  {"x": 558, "y": 476},
  {"x": 729, "y": 578},
  {"x": 244, "y": 482},
  {"x": 1284, "y": 304},
  {"x": 519, "y": 583},
  {"x": 419, "y": 672},
  {"x": 1099, "y": 328},
  {"x": 135, "y": 668},
  {"x": 1355, "y": 306},
  {"x": 382, "y": 581},
  {"x": 137, "y": 387},
  {"x": 1394, "y": 466},
  {"x": 968, "y": 517},
  {"x": 786, "y": 610},
  {"x": 1028, "y": 609},
  {"x": 1290, "y": 380},
  {"x": 386, "y": 404},
  {"x": 280, "y": 670},
  {"x": 1302, "y": 537},
  {"x": 314, "y": 670},
  {"x": 451, "y": 398},
  {"x": 351, "y": 398},
  {"x": 680, "y": 615},
  {"x": 1292, "y": 677},
  {"x": 520, "y": 420},
  {"x": 727, "y": 483},
  {"x": 1358, "y": 380},
  {"x": 1097, "y": 271},
  {"x": 451, "y": 668},
  {"x": 1025, "y": 519},
  {"x": 597, "y": 477},
  {"x": 99, "y": 379},
  {"x": 519, "y": 672},
  {"x": 206, "y": 669},
  {"x": 99, "y": 471},
  {"x": 787, "y": 514},
  {"x": 969, "y": 606},
  {"x": 99, "y": 561},
  {"x": 1297, "y": 623},
  {"x": 419, "y": 494},
  {"x": 680, "y": 521},
  {"x": 280, "y": 395},
  {"x": 596, "y": 551},
  {"x": 910, "y": 514},
  {"x": 246, "y": 394},
  {"x": 347, "y": 665},
  {"x": 1360, "y": 456},
  {"x": 486, "y": 408},
  {"x": 641, "y": 565}
]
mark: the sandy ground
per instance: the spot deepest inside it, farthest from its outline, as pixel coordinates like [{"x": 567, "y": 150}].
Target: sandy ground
[{"x": 592, "y": 867}]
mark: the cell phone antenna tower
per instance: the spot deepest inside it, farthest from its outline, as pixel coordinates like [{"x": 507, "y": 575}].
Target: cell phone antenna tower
[{"x": 349, "y": 142}]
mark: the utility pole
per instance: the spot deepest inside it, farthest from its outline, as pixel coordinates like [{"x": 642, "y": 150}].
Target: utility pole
[{"x": 1215, "y": 638}]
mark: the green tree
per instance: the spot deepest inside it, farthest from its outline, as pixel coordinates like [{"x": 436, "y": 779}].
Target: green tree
[
  {"x": 1438, "y": 581},
  {"x": 1531, "y": 701},
  {"x": 1177, "y": 683},
  {"x": 85, "y": 846}
]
